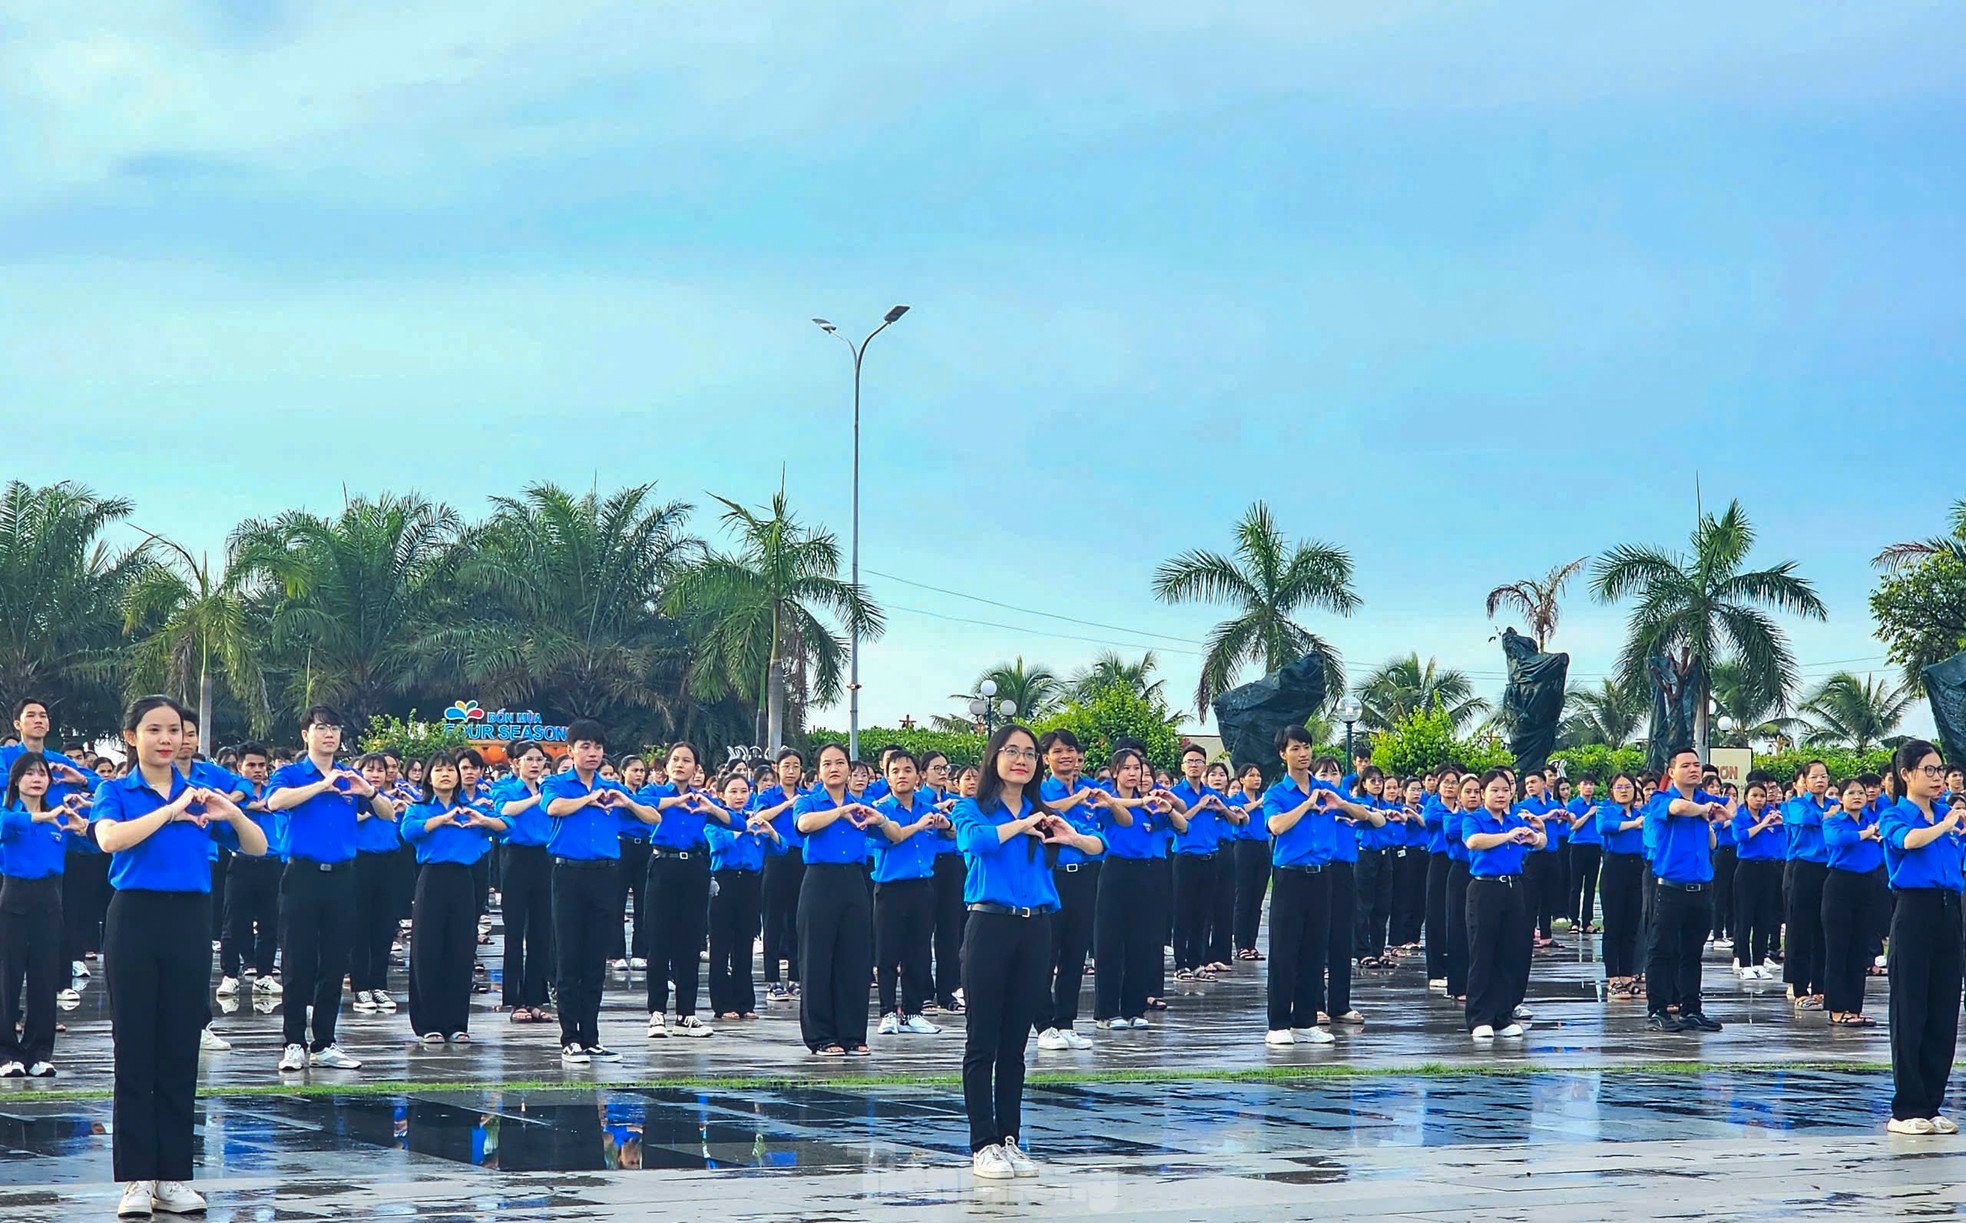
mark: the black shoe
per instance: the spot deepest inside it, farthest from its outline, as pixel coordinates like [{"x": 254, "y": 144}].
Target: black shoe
[
  {"x": 1660, "y": 1021},
  {"x": 1699, "y": 1020}
]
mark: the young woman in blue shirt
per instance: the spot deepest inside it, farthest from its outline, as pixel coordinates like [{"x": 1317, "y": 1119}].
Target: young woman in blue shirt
[
  {"x": 1252, "y": 863},
  {"x": 630, "y": 951},
  {"x": 739, "y": 854},
  {"x": 526, "y": 883},
  {"x": 1620, "y": 824},
  {"x": 1760, "y": 850},
  {"x": 1465, "y": 789},
  {"x": 784, "y": 874},
  {"x": 1499, "y": 839},
  {"x": 1127, "y": 923},
  {"x": 1921, "y": 837},
  {"x": 452, "y": 834},
  {"x": 836, "y": 923},
  {"x": 33, "y": 840},
  {"x": 1856, "y": 903},
  {"x": 156, "y": 827},
  {"x": 679, "y": 892}
]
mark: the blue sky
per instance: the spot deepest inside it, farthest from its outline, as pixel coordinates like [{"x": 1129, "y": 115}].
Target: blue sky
[{"x": 1470, "y": 289}]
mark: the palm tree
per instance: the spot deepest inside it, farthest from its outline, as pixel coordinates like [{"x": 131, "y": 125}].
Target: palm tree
[
  {"x": 1900, "y": 556},
  {"x": 1035, "y": 690},
  {"x": 1859, "y": 712},
  {"x": 1406, "y": 686},
  {"x": 1109, "y": 670},
  {"x": 752, "y": 611},
  {"x": 560, "y": 608},
  {"x": 352, "y": 595},
  {"x": 1611, "y": 714},
  {"x": 61, "y": 598},
  {"x": 191, "y": 618},
  {"x": 1537, "y": 599},
  {"x": 1269, "y": 580},
  {"x": 1745, "y": 698},
  {"x": 1701, "y": 609}
]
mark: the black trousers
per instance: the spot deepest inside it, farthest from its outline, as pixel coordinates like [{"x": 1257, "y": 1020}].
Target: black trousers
[
  {"x": 84, "y": 901},
  {"x": 1542, "y": 875},
  {"x": 1006, "y": 963},
  {"x": 1436, "y": 916},
  {"x": 375, "y": 923},
  {"x": 1802, "y": 966},
  {"x": 1624, "y": 896},
  {"x": 1499, "y": 937},
  {"x": 219, "y": 865},
  {"x": 1373, "y": 879},
  {"x": 1757, "y": 909},
  {"x": 1300, "y": 940},
  {"x": 1924, "y": 971},
  {"x": 586, "y": 921},
  {"x": 1194, "y": 902},
  {"x": 1457, "y": 929},
  {"x": 443, "y": 944},
  {"x": 1252, "y": 867},
  {"x": 1680, "y": 921},
  {"x": 836, "y": 941},
  {"x": 317, "y": 920},
  {"x": 783, "y": 876},
  {"x": 904, "y": 928},
  {"x": 1855, "y": 907},
  {"x": 1071, "y": 938},
  {"x": 1338, "y": 930},
  {"x": 31, "y": 967},
  {"x": 158, "y": 963},
  {"x": 1586, "y": 861},
  {"x": 1163, "y": 914},
  {"x": 1126, "y": 946},
  {"x": 1410, "y": 866},
  {"x": 252, "y": 915},
  {"x": 950, "y": 874},
  {"x": 1723, "y": 892},
  {"x": 527, "y": 892},
  {"x": 1222, "y": 918},
  {"x": 735, "y": 913},
  {"x": 678, "y": 910},
  {"x": 631, "y": 885}
]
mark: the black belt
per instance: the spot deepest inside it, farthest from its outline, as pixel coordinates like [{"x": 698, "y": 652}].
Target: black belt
[
  {"x": 1683, "y": 887},
  {"x": 1509, "y": 880},
  {"x": 1303, "y": 870},
  {"x": 1073, "y": 868},
  {"x": 1209, "y": 854},
  {"x": 678, "y": 855},
  {"x": 326, "y": 868},
  {"x": 1011, "y": 910},
  {"x": 585, "y": 864}
]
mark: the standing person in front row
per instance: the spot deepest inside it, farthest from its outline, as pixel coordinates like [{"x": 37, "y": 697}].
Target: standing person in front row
[
  {"x": 586, "y": 847},
  {"x": 451, "y": 835},
  {"x": 904, "y": 896},
  {"x": 33, "y": 845},
  {"x": 678, "y": 892},
  {"x": 1922, "y": 857},
  {"x": 738, "y": 854},
  {"x": 1758, "y": 850},
  {"x": 526, "y": 888},
  {"x": 1012, "y": 896},
  {"x": 1075, "y": 876},
  {"x": 1855, "y": 904},
  {"x": 1500, "y": 926},
  {"x": 836, "y": 926},
  {"x": 158, "y": 951},
  {"x": 323, "y": 803},
  {"x": 1127, "y": 924},
  {"x": 1682, "y": 905}
]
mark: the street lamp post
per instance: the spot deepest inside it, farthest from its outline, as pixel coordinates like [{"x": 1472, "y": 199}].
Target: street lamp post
[
  {"x": 1348, "y": 712},
  {"x": 853, "y": 666},
  {"x": 985, "y": 705}
]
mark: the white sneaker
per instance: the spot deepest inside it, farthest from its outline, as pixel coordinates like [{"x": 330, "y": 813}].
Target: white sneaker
[
  {"x": 1020, "y": 1163},
  {"x": 991, "y": 1164},
  {"x": 12, "y": 1070},
  {"x": 920, "y": 1026},
  {"x": 1438, "y": 984},
  {"x": 293, "y": 1058},
  {"x": 1313, "y": 1035},
  {"x": 332, "y": 1058},
  {"x": 1052, "y": 1039},
  {"x": 638, "y": 963},
  {"x": 1940, "y": 1125},
  {"x": 618, "y": 965},
  {"x": 690, "y": 1025},
  {"x": 46, "y": 1070},
  {"x": 365, "y": 1002},
  {"x": 383, "y": 1002},
  {"x": 177, "y": 1197},
  {"x": 1072, "y": 1041},
  {"x": 1141, "y": 1022},
  {"x": 1511, "y": 1032},
  {"x": 890, "y": 1025},
  {"x": 574, "y": 1055},
  {"x": 136, "y": 1203},
  {"x": 1483, "y": 1032},
  {"x": 269, "y": 984},
  {"x": 1280, "y": 1036},
  {"x": 1910, "y": 1125},
  {"x": 67, "y": 997},
  {"x": 658, "y": 1028},
  {"x": 433, "y": 1038},
  {"x": 211, "y": 1042},
  {"x": 1522, "y": 1012},
  {"x": 228, "y": 987},
  {"x": 1723, "y": 944},
  {"x": 1116, "y": 1024},
  {"x": 77, "y": 968}
]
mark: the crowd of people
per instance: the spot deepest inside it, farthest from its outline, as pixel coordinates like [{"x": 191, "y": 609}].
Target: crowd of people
[{"x": 984, "y": 891}]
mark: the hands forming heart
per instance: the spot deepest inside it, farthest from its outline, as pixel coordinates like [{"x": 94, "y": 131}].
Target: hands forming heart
[{"x": 605, "y": 798}]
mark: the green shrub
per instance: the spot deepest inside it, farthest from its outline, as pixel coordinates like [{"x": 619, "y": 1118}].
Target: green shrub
[
  {"x": 961, "y": 748},
  {"x": 1116, "y": 713},
  {"x": 411, "y": 739}
]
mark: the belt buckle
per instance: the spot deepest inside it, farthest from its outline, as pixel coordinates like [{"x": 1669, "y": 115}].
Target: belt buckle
[
  {"x": 1025, "y": 912},
  {"x": 326, "y": 868},
  {"x": 1070, "y": 868},
  {"x": 683, "y": 854}
]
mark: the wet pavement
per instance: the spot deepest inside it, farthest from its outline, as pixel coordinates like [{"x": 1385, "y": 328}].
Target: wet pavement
[{"x": 1595, "y": 1119}]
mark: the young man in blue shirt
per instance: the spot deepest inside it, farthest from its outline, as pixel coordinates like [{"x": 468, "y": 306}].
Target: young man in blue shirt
[
  {"x": 1682, "y": 906},
  {"x": 904, "y": 896},
  {"x": 1075, "y": 875},
  {"x": 252, "y": 891}
]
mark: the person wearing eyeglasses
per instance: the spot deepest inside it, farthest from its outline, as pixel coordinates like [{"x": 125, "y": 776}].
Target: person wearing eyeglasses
[{"x": 1922, "y": 858}]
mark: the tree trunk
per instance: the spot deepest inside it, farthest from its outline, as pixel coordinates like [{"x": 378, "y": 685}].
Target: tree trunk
[
  {"x": 205, "y": 712},
  {"x": 1701, "y": 717},
  {"x": 774, "y": 694}
]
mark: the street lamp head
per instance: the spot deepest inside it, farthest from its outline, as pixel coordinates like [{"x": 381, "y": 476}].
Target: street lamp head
[
  {"x": 1349, "y": 709},
  {"x": 824, "y": 325},
  {"x": 1008, "y": 708},
  {"x": 988, "y": 687},
  {"x": 977, "y": 706},
  {"x": 896, "y": 313}
]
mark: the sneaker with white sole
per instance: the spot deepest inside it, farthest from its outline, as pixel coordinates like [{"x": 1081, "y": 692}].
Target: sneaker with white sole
[
  {"x": 1940, "y": 1125},
  {"x": 1117, "y": 1024},
  {"x": 293, "y": 1058},
  {"x": 77, "y": 968},
  {"x": 1313, "y": 1035},
  {"x": 137, "y": 1199},
  {"x": 1141, "y": 1022},
  {"x": 890, "y": 1025},
  {"x": 638, "y": 963},
  {"x": 41, "y": 1070},
  {"x": 601, "y": 1053},
  {"x": 991, "y": 1164},
  {"x": 211, "y": 1042},
  {"x": 1909, "y": 1125},
  {"x": 920, "y": 1026},
  {"x": 1073, "y": 1040},
  {"x": 178, "y": 1198},
  {"x": 690, "y": 1025},
  {"x": 365, "y": 1002},
  {"x": 1522, "y": 1012},
  {"x": 332, "y": 1058},
  {"x": 228, "y": 987},
  {"x": 658, "y": 1027},
  {"x": 1020, "y": 1163},
  {"x": 1437, "y": 984},
  {"x": 68, "y": 997},
  {"x": 433, "y": 1038},
  {"x": 13, "y": 1070},
  {"x": 1483, "y": 1032},
  {"x": 573, "y": 1055},
  {"x": 1280, "y": 1036},
  {"x": 383, "y": 1002},
  {"x": 1511, "y": 1032},
  {"x": 269, "y": 984},
  {"x": 1052, "y": 1039}
]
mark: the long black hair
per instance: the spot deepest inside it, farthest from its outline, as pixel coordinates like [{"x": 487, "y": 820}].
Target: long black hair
[
  {"x": 24, "y": 764},
  {"x": 989, "y": 782},
  {"x": 443, "y": 756}
]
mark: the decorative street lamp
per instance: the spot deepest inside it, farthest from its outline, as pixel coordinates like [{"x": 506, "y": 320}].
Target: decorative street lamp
[
  {"x": 1348, "y": 712},
  {"x": 986, "y": 706}
]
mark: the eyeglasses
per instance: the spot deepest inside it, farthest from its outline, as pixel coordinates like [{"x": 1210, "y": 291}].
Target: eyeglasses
[
  {"x": 1018, "y": 753},
  {"x": 1934, "y": 771}
]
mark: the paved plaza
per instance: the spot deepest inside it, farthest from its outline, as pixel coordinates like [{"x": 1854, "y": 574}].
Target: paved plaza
[{"x": 1591, "y": 1116}]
